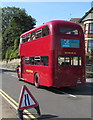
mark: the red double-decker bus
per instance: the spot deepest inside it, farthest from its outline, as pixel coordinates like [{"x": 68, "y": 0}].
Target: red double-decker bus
[{"x": 53, "y": 55}]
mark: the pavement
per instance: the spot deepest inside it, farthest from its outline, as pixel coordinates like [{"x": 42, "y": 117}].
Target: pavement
[{"x": 7, "y": 112}]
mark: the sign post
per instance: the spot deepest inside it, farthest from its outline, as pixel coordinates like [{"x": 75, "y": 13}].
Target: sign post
[
  {"x": 20, "y": 113},
  {"x": 26, "y": 100}
]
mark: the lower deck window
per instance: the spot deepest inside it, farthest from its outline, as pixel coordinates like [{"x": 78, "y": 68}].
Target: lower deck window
[
  {"x": 69, "y": 61},
  {"x": 38, "y": 60}
]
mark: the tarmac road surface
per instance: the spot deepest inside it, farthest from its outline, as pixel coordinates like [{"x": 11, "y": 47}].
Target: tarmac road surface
[{"x": 70, "y": 102}]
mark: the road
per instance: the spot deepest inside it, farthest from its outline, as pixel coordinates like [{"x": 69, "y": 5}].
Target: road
[{"x": 70, "y": 102}]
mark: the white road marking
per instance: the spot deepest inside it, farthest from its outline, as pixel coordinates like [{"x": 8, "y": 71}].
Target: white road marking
[{"x": 71, "y": 95}]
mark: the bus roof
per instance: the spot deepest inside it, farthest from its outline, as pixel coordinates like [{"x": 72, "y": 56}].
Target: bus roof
[{"x": 54, "y": 22}]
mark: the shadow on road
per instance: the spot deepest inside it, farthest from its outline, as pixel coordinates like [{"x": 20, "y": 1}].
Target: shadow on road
[
  {"x": 47, "y": 117},
  {"x": 86, "y": 89},
  {"x": 5, "y": 70}
]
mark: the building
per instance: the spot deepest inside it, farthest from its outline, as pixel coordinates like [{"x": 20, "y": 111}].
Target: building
[{"x": 87, "y": 23}]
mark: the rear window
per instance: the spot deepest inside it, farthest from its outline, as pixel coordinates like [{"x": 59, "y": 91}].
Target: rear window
[
  {"x": 69, "y": 61},
  {"x": 70, "y": 31}
]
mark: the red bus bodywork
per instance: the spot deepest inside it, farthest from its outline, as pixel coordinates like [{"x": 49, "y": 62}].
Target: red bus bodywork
[{"x": 52, "y": 46}]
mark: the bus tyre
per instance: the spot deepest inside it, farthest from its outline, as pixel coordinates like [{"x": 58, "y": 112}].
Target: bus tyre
[
  {"x": 19, "y": 79},
  {"x": 36, "y": 80}
]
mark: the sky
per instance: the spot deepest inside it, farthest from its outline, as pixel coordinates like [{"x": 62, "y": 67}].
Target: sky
[{"x": 47, "y": 11}]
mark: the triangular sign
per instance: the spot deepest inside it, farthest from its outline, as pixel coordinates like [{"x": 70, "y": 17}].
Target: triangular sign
[{"x": 26, "y": 99}]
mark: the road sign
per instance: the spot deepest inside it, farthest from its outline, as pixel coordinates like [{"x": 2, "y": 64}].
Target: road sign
[{"x": 26, "y": 99}]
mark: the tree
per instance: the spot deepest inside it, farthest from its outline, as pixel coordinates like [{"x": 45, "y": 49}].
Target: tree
[
  {"x": 8, "y": 53},
  {"x": 15, "y": 21}
]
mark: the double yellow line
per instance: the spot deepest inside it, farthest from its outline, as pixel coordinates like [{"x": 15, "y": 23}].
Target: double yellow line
[{"x": 14, "y": 104}]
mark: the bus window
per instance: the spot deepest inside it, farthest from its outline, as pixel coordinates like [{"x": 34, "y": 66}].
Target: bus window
[
  {"x": 38, "y": 33},
  {"x": 20, "y": 40},
  {"x": 75, "y": 61},
  {"x": 29, "y": 36},
  {"x": 23, "y": 39},
  {"x": 45, "y": 31},
  {"x": 33, "y": 36},
  {"x": 44, "y": 60},
  {"x": 26, "y": 38},
  {"x": 69, "y": 61},
  {"x": 27, "y": 60},
  {"x": 37, "y": 60},
  {"x": 80, "y": 61},
  {"x": 31, "y": 60},
  {"x": 71, "y": 31},
  {"x": 60, "y": 60}
]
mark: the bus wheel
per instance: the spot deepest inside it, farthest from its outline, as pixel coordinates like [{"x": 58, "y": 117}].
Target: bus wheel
[
  {"x": 36, "y": 80},
  {"x": 19, "y": 79}
]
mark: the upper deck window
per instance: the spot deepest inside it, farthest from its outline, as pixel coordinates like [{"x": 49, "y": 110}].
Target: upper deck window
[
  {"x": 38, "y": 33},
  {"x": 45, "y": 31},
  {"x": 35, "y": 35},
  {"x": 70, "y": 31}
]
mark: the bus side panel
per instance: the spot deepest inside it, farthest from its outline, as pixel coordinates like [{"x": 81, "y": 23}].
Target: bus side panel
[
  {"x": 39, "y": 47},
  {"x": 28, "y": 73},
  {"x": 45, "y": 76},
  {"x": 44, "y": 73}
]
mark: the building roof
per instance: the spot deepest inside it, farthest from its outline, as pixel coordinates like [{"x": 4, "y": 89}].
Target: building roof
[
  {"x": 75, "y": 20},
  {"x": 88, "y": 16}
]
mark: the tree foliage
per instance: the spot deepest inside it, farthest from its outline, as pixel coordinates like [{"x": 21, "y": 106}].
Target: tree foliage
[{"x": 15, "y": 21}]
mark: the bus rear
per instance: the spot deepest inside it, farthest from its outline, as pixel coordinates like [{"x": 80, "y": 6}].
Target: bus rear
[{"x": 68, "y": 54}]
